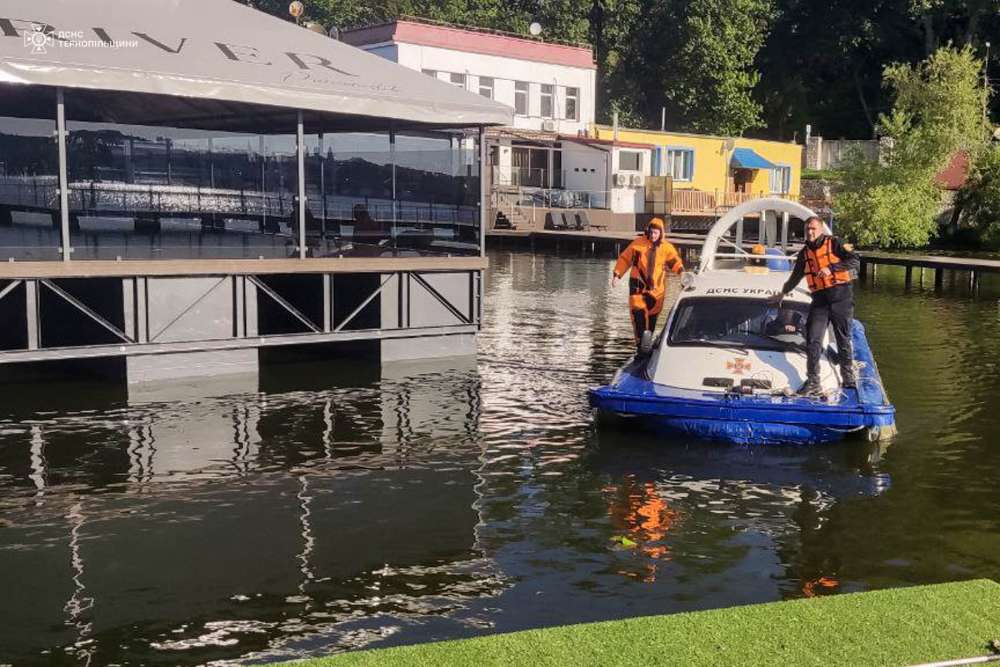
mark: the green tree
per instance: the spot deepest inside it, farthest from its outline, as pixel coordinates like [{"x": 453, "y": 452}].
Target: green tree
[
  {"x": 938, "y": 110},
  {"x": 979, "y": 198},
  {"x": 696, "y": 59}
]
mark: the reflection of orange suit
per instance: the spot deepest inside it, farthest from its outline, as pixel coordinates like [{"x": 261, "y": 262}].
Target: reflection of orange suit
[
  {"x": 639, "y": 511},
  {"x": 647, "y": 282}
]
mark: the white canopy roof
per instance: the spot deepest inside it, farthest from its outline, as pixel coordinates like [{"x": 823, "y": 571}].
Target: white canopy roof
[{"x": 217, "y": 55}]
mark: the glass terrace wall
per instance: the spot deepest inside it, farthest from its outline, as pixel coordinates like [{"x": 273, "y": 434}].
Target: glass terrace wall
[
  {"x": 154, "y": 192},
  {"x": 29, "y": 189},
  {"x": 138, "y": 192},
  {"x": 393, "y": 194}
]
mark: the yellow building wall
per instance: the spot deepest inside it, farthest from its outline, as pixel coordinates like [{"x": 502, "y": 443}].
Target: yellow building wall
[{"x": 711, "y": 160}]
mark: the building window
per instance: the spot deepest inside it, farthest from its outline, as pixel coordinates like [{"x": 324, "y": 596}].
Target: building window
[
  {"x": 572, "y": 103},
  {"x": 546, "y": 100},
  {"x": 458, "y": 79},
  {"x": 680, "y": 164},
  {"x": 629, "y": 161},
  {"x": 781, "y": 180},
  {"x": 486, "y": 86},
  {"x": 521, "y": 98},
  {"x": 429, "y": 72}
]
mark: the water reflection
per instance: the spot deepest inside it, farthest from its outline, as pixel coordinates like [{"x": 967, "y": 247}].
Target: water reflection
[
  {"x": 335, "y": 506},
  {"x": 245, "y": 520}
]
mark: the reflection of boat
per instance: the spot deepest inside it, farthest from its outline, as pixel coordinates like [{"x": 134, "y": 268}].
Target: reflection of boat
[{"x": 727, "y": 363}]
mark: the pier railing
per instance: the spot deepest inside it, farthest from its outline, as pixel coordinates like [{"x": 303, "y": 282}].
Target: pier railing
[{"x": 701, "y": 202}]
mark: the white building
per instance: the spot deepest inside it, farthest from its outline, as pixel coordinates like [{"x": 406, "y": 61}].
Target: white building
[{"x": 551, "y": 87}]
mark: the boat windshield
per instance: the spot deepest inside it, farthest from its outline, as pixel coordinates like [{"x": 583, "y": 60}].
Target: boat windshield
[{"x": 739, "y": 323}]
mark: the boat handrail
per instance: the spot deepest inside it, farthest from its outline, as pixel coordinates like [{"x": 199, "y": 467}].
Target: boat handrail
[{"x": 769, "y": 208}]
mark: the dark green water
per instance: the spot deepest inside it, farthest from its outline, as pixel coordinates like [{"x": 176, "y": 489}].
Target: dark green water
[{"x": 339, "y": 508}]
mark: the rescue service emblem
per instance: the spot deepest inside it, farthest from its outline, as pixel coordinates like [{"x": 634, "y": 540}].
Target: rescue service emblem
[{"x": 738, "y": 366}]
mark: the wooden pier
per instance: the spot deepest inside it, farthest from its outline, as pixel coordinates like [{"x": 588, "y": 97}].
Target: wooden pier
[
  {"x": 975, "y": 267},
  {"x": 689, "y": 246}
]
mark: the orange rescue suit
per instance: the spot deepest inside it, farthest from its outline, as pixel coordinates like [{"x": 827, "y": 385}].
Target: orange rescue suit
[
  {"x": 647, "y": 263},
  {"x": 818, "y": 259}
]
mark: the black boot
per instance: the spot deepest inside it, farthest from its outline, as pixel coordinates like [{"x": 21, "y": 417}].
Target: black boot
[
  {"x": 646, "y": 342},
  {"x": 811, "y": 387},
  {"x": 848, "y": 379}
]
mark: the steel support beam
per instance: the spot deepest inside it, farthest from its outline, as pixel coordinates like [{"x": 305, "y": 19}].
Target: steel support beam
[
  {"x": 86, "y": 310},
  {"x": 301, "y": 150},
  {"x": 371, "y": 297},
  {"x": 9, "y": 288},
  {"x": 280, "y": 300},
  {"x": 327, "y": 302},
  {"x": 95, "y": 351},
  {"x": 61, "y": 139},
  {"x": 483, "y": 193},
  {"x": 31, "y": 314},
  {"x": 392, "y": 161}
]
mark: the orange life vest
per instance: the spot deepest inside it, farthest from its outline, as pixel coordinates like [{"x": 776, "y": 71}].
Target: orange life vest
[{"x": 820, "y": 258}]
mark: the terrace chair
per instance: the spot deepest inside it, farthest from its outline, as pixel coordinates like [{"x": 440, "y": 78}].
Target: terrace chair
[
  {"x": 550, "y": 222},
  {"x": 582, "y": 220}
]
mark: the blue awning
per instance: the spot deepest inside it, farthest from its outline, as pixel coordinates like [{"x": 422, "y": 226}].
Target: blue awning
[{"x": 747, "y": 158}]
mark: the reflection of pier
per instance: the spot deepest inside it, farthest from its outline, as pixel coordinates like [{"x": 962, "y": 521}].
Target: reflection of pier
[{"x": 222, "y": 511}]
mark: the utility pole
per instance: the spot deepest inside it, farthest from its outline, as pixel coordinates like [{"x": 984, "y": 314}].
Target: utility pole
[{"x": 986, "y": 89}]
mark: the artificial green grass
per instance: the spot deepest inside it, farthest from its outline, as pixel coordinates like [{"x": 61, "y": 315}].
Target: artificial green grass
[{"x": 902, "y": 626}]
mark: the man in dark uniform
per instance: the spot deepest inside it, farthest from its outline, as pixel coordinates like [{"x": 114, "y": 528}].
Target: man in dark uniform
[{"x": 828, "y": 265}]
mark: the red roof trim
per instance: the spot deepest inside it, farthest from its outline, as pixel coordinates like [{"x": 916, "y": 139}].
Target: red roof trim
[{"x": 472, "y": 41}]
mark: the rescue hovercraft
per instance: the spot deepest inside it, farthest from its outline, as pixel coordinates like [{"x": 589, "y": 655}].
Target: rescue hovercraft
[{"x": 728, "y": 362}]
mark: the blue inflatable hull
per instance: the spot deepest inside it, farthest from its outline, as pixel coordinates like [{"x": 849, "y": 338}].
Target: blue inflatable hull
[{"x": 757, "y": 418}]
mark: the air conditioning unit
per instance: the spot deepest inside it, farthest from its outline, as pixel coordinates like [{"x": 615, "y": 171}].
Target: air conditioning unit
[
  {"x": 548, "y": 126},
  {"x": 621, "y": 180},
  {"x": 637, "y": 180}
]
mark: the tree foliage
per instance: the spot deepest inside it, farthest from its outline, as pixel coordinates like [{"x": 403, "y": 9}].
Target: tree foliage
[
  {"x": 768, "y": 67},
  {"x": 938, "y": 110},
  {"x": 696, "y": 59},
  {"x": 979, "y": 198}
]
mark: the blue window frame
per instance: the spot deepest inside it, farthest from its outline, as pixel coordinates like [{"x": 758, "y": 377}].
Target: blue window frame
[{"x": 679, "y": 163}]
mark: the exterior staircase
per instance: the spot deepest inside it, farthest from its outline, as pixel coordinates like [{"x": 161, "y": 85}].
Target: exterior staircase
[{"x": 506, "y": 214}]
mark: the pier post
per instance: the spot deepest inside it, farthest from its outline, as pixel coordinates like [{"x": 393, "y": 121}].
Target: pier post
[
  {"x": 63, "y": 175},
  {"x": 863, "y": 272},
  {"x": 909, "y": 277},
  {"x": 31, "y": 313},
  {"x": 938, "y": 278},
  {"x": 301, "y": 151}
]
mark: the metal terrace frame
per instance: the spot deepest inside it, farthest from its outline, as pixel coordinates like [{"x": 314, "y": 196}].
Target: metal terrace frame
[{"x": 136, "y": 338}]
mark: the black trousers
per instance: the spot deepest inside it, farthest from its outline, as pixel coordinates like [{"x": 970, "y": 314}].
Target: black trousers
[
  {"x": 835, "y": 306},
  {"x": 641, "y": 319}
]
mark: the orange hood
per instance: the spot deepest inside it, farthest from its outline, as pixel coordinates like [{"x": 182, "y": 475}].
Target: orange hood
[{"x": 657, "y": 223}]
